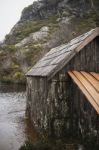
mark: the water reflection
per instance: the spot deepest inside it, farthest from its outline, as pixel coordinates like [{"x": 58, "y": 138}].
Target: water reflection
[
  {"x": 7, "y": 88},
  {"x": 12, "y": 116}
]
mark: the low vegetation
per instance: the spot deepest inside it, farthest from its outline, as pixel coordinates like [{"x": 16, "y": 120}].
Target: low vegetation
[{"x": 24, "y": 28}]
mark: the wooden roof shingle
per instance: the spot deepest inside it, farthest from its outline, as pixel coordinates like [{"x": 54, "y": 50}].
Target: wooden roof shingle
[{"x": 58, "y": 57}]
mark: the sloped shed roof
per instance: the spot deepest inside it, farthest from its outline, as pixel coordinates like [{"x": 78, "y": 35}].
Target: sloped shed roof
[{"x": 58, "y": 57}]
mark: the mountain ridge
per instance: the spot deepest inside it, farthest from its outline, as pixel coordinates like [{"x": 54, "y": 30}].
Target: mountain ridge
[{"x": 55, "y": 22}]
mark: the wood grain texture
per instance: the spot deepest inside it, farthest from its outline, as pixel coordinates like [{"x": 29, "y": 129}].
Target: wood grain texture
[
  {"x": 95, "y": 75},
  {"x": 87, "y": 87}
]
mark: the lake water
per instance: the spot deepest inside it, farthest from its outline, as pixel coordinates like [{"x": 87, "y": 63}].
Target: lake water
[{"x": 13, "y": 126}]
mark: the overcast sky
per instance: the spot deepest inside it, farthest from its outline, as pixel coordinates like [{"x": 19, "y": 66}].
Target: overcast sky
[{"x": 10, "y": 12}]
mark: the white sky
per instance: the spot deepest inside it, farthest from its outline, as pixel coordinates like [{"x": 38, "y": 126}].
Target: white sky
[{"x": 10, "y": 12}]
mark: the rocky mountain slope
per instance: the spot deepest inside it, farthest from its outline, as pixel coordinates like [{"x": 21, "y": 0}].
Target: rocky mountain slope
[{"x": 43, "y": 25}]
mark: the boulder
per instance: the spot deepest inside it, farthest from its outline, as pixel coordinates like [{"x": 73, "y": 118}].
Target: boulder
[{"x": 36, "y": 36}]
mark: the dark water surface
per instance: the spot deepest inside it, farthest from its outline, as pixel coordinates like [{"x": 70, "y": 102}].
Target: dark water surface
[{"x": 13, "y": 127}]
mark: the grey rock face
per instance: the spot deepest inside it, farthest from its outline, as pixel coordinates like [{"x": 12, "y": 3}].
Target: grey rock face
[
  {"x": 45, "y": 8},
  {"x": 42, "y": 33},
  {"x": 65, "y": 20},
  {"x": 37, "y": 11}
]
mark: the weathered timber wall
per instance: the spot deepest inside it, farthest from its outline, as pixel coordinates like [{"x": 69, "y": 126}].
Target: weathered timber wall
[
  {"x": 57, "y": 106},
  {"x": 37, "y": 105}
]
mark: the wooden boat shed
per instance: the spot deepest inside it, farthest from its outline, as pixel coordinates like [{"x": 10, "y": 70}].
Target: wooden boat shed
[{"x": 63, "y": 88}]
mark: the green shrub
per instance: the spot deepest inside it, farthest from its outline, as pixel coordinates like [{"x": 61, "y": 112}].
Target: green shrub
[
  {"x": 26, "y": 27},
  {"x": 35, "y": 47},
  {"x": 10, "y": 48},
  {"x": 18, "y": 76}
]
